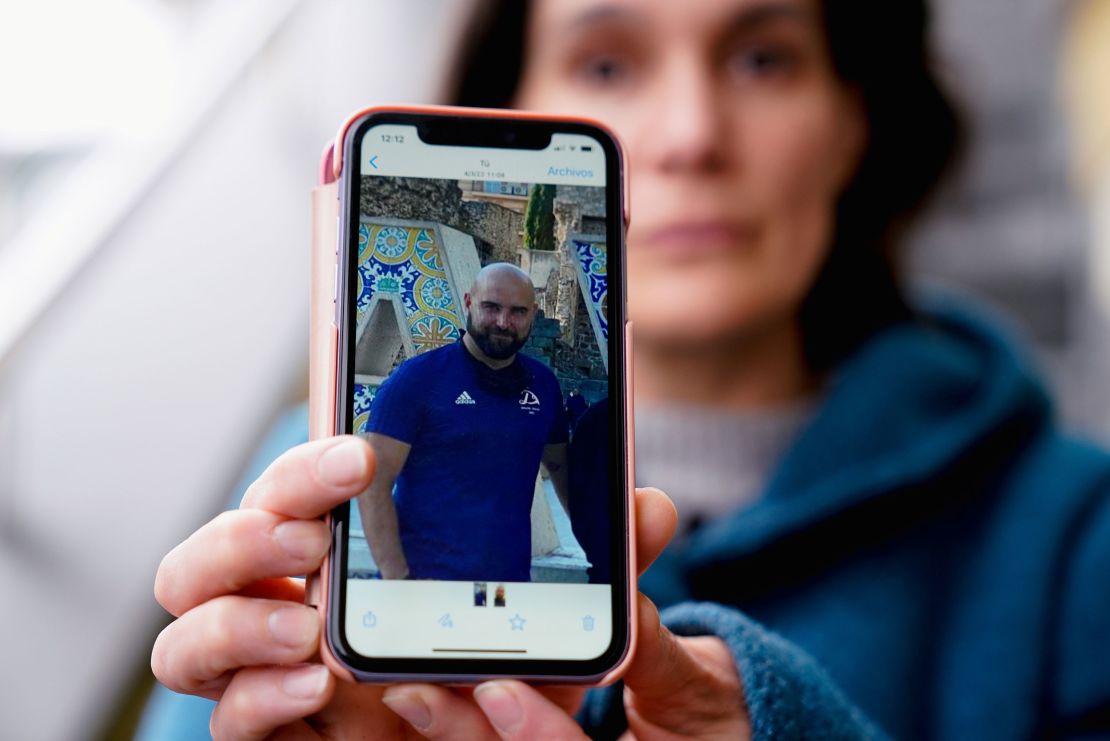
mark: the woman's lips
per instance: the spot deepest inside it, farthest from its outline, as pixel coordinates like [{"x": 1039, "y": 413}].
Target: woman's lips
[{"x": 695, "y": 238}]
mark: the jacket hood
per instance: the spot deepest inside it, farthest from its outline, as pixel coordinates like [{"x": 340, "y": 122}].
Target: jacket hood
[{"x": 921, "y": 414}]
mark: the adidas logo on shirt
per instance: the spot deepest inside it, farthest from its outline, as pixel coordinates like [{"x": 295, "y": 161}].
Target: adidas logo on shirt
[{"x": 465, "y": 398}]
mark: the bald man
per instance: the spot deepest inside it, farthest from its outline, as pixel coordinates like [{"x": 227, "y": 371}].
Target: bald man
[{"x": 460, "y": 433}]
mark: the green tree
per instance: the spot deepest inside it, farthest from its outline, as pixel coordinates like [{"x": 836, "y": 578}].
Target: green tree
[{"x": 539, "y": 218}]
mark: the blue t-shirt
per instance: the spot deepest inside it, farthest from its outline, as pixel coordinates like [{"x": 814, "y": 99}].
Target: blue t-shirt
[{"x": 464, "y": 496}]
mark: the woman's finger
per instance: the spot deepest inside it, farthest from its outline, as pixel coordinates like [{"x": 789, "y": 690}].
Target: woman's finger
[
  {"x": 438, "y": 713},
  {"x": 260, "y": 541},
  {"x": 567, "y": 698},
  {"x": 684, "y": 686},
  {"x": 499, "y": 709},
  {"x": 661, "y": 665},
  {"x": 309, "y": 480},
  {"x": 656, "y": 520},
  {"x": 517, "y": 711},
  {"x": 257, "y": 702},
  {"x": 235, "y": 550},
  {"x": 196, "y": 652}
]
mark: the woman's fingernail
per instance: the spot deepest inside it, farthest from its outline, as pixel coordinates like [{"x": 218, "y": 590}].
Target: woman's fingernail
[
  {"x": 411, "y": 707},
  {"x": 500, "y": 706},
  {"x": 342, "y": 464},
  {"x": 304, "y": 540},
  {"x": 306, "y": 682},
  {"x": 293, "y": 626}
]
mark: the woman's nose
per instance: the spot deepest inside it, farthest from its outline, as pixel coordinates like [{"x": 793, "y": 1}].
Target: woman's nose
[{"x": 688, "y": 126}]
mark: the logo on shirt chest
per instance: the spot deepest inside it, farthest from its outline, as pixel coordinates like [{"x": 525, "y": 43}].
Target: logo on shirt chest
[
  {"x": 465, "y": 398},
  {"x": 529, "y": 402}
]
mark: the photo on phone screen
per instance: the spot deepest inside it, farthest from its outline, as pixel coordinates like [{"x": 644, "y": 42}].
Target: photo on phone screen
[{"x": 479, "y": 372}]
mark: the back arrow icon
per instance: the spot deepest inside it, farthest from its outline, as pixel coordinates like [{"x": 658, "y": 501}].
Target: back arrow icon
[{"x": 374, "y": 162}]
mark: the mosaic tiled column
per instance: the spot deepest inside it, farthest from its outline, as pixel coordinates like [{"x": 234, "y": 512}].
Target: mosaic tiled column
[
  {"x": 423, "y": 267},
  {"x": 591, "y": 258}
]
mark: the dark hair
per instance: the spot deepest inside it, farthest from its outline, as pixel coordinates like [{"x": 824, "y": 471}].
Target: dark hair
[{"x": 880, "y": 48}]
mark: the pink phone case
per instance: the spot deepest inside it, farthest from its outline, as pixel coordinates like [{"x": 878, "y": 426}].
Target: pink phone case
[{"x": 323, "y": 347}]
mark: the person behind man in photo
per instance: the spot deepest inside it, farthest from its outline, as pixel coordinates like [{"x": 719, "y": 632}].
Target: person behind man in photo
[
  {"x": 588, "y": 489},
  {"x": 461, "y": 431}
]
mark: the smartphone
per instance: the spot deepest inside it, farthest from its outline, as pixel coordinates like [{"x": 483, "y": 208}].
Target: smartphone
[{"x": 478, "y": 341}]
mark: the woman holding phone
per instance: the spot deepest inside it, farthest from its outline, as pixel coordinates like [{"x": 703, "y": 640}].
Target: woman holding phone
[{"x": 882, "y": 530}]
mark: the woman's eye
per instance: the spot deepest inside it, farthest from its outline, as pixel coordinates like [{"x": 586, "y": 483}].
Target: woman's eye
[
  {"x": 604, "y": 70},
  {"x": 761, "y": 62}
]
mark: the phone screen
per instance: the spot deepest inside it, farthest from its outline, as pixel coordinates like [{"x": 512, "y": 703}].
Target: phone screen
[{"x": 479, "y": 362}]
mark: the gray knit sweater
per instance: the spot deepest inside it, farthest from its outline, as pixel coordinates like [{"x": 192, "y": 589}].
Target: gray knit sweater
[{"x": 709, "y": 461}]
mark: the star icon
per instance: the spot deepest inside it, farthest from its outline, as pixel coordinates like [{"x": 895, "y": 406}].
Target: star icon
[{"x": 517, "y": 622}]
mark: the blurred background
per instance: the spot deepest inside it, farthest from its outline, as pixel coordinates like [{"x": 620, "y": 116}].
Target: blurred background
[{"x": 156, "y": 158}]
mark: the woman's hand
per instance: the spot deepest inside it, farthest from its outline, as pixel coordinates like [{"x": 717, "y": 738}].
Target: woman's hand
[
  {"x": 675, "y": 688},
  {"x": 244, "y": 638}
]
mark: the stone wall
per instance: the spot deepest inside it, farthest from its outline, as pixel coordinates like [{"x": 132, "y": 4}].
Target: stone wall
[
  {"x": 577, "y": 367},
  {"x": 497, "y": 230},
  {"x": 416, "y": 199},
  {"x": 578, "y": 210},
  {"x": 563, "y": 293},
  {"x": 540, "y": 264},
  {"x": 580, "y": 202}
]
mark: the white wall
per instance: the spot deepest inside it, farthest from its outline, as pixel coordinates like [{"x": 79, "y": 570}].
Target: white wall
[{"x": 127, "y": 412}]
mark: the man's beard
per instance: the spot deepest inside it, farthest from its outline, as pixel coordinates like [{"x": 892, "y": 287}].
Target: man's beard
[{"x": 496, "y": 347}]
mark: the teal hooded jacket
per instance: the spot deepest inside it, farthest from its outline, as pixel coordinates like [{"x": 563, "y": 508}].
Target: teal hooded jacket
[{"x": 930, "y": 560}]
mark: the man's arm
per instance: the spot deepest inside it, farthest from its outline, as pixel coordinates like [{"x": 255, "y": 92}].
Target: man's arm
[
  {"x": 555, "y": 461},
  {"x": 375, "y": 506}
]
